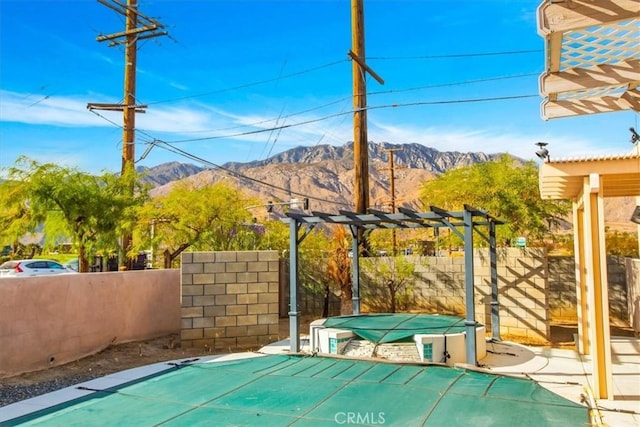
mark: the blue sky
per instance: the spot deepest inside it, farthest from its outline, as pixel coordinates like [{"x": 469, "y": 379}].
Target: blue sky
[{"x": 231, "y": 71}]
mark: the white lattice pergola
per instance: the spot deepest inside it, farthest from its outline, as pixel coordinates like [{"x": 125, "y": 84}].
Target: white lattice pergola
[
  {"x": 592, "y": 56},
  {"x": 592, "y": 63}
]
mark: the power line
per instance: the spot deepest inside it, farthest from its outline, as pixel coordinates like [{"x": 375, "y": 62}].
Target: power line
[
  {"x": 433, "y": 86},
  {"x": 458, "y": 55},
  {"x": 167, "y": 146},
  {"x": 378, "y": 107},
  {"x": 258, "y": 83},
  {"x": 345, "y": 98},
  {"x": 330, "y": 64}
]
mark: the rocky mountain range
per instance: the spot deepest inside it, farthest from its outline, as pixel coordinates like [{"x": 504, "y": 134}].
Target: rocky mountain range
[{"x": 324, "y": 175}]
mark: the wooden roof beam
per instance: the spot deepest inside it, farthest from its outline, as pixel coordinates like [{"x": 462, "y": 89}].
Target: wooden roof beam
[
  {"x": 630, "y": 100},
  {"x": 558, "y": 16},
  {"x": 625, "y": 72},
  {"x": 564, "y": 169}
]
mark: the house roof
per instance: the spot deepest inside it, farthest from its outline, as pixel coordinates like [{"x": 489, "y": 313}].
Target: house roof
[
  {"x": 592, "y": 56},
  {"x": 564, "y": 179}
]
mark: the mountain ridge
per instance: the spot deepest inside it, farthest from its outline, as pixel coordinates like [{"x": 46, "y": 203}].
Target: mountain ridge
[{"x": 324, "y": 174}]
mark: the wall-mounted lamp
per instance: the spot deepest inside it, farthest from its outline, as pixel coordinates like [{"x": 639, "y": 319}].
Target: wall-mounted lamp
[
  {"x": 634, "y": 136},
  {"x": 635, "y": 216},
  {"x": 542, "y": 153}
]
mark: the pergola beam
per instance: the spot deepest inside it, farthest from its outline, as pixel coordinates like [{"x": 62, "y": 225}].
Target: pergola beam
[
  {"x": 569, "y": 15},
  {"x": 630, "y": 100},
  {"x": 592, "y": 63},
  {"x": 620, "y": 73}
]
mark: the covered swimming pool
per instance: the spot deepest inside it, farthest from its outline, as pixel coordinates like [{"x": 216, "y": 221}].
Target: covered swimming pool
[
  {"x": 288, "y": 390},
  {"x": 393, "y": 327}
]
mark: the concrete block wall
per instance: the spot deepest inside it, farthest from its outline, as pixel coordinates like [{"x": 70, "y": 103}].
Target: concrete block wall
[
  {"x": 633, "y": 297},
  {"x": 229, "y": 299},
  {"x": 562, "y": 288},
  {"x": 522, "y": 290}
]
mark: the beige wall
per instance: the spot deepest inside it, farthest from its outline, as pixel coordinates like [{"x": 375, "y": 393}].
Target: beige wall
[{"x": 51, "y": 320}]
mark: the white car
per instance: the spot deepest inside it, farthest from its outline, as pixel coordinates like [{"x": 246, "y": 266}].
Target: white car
[{"x": 32, "y": 267}]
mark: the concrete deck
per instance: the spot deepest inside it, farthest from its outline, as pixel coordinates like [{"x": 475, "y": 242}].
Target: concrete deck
[{"x": 569, "y": 374}]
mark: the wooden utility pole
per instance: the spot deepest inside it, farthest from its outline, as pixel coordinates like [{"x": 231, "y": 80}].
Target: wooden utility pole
[
  {"x": 137, "y": 27},
  {"x": 130, "y": 58},
  {"x": 392, "y": 190},
  {"x": 360, "y": 138}
]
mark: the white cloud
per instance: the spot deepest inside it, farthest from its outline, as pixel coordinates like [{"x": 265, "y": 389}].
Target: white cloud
[
  {"x": 490, "y": 140},
  {"x": 36, "y": 109},
  {"x": 199, "y": 121}
]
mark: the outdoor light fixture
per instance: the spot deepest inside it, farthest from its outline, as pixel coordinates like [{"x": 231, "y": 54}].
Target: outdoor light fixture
[
  {"x": 634, "y": 136},
  {"x": 635, "y": 216},
  {"x": 542, "y": 153}
]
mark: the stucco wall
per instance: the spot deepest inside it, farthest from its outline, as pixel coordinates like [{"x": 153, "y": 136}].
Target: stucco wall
[{"x": 51, "y": 320}]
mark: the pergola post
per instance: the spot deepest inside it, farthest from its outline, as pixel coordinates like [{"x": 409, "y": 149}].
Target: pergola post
[
  {"x": 581, "y": 277},
  {"x": 355, "y": 273},
  {"x": 294, "y": 319},
  {"x": 598, "y": 295},
  {"x": 470, "y": 320},
  {"x": 493, "y": 271}
]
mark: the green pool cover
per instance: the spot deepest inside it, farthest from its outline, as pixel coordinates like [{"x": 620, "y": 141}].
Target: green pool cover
[
  {"x": 385, "y": 328},
  {"x": 282, "y": 390}
]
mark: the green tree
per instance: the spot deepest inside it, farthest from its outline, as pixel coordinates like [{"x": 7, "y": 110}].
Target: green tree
[
  {"x": 395, "y": 274},
  {"x": 621, "y": 243},
  {"x": 506, "y": 189},
  {"x": 91, "y": 211},
  {"x": 339, "y": 268},
  {"x": 198, "y": 217}
]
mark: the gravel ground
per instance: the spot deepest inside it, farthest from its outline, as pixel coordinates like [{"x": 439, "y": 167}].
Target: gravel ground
[
  {"x": 11, "y": 393},
  {"x": 115, "y": 358}
]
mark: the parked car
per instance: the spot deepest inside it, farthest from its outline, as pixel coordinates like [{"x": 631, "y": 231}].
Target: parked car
[
  {"x": 32, "y": 267},
  {"x": 73, "y": 264}
]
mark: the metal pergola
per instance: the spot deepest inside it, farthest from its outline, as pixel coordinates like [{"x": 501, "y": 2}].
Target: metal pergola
[{"x": 468, "y": 219}]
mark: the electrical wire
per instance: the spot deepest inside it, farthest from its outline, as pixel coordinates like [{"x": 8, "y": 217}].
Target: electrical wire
[
  {"x": 349, "y": 97},
  {"x": 459, "y": 55},
  {"x": 244, "y": 86},
  {"x": 167, "y": 146},
  {"x": 277, "y": 121},
  {"x": 489, "y": 79},
  {"x": 330, "y": 64},
  {"x": 377, "y": 107}
]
